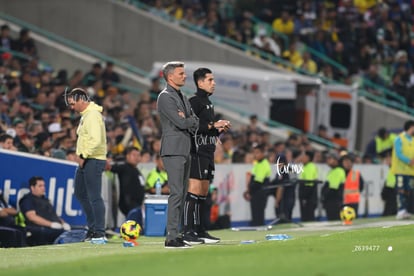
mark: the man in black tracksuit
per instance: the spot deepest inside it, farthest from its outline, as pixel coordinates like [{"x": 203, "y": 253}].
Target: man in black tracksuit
[{"x": 202, "y": 158}]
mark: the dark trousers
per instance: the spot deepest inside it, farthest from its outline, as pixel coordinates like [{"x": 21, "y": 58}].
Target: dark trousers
[
  {"x": 389, "y": 196},
  {"x": 41, "y": 235},
  {"x": 333, "y": 209},
  {"x": 12, "y": 237},
  {"x": 258, "y": 202},
  {"x": 178, "y": 170},
  {"x": 307, "y": 199},
  {"x": 88, "y": 190},
  {"x": 284, "y": 212},
  {"x": 307, "y": 209}
]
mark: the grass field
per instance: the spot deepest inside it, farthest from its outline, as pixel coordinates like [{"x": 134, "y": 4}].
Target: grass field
[{"x": 315, "y": 249}]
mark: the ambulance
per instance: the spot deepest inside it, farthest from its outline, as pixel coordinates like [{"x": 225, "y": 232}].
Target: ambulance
[{"x": 289, "y": 98}]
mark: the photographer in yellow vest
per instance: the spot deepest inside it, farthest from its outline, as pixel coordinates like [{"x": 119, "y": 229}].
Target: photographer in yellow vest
[{"x": 402, "y": 165}]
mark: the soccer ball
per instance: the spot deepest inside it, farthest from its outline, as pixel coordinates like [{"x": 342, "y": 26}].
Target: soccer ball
[
  {"x": 347, "y": 214},
  {"x": 130, "y": 230}
]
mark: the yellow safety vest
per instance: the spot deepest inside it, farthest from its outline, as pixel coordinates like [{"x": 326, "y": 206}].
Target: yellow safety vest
[
  {"x": 398, "y": 166},
  {"x": 335, "y": 177},
  {"x": 382, "y": 145},
  {"x": 310, "y": 172},
  {"x": 390, "y": 181}
]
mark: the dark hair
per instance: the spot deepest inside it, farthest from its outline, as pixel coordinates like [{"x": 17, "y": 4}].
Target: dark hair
[
  {"x": 130, "y": 149},
  {"x": 408, "y": 124},
  {"x": 4, "y": 137},
  {"x": 200, "y": 74},
  {"x": 78, "y": 94},
  {"x": 382, "y": 132},
  {"x": 260, "y": 147},
  {"x": 169, "y": 67},
  {"x": 310, "y": 154},
  {"x": 5, "y": 27},
  {"x": 33, "y": 180}
]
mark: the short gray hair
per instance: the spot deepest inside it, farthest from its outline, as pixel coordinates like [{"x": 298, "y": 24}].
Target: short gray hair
[{"x": 169, "y": 67}]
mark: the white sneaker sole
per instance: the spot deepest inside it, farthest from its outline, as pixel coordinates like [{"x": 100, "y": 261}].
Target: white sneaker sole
[
  {"x": 209, "y": 241},
  {"x": 99, "y": 241},
  {"x": 192, "y": 242},
  {"x": 174, "y": 247}
]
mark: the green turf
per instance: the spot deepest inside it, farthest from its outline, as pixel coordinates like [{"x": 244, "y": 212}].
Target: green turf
[{"x": 315, "y": 249}]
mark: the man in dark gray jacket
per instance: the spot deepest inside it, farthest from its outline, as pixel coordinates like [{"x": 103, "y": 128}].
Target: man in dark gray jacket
[{"x": 178, "y": 123}]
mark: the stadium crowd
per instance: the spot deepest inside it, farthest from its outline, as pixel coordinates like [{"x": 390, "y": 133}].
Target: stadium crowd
[
  {"x": 34, "y": 114},
  {"x": 34, "y": 117},
  {"x": 372, "y": 39}
]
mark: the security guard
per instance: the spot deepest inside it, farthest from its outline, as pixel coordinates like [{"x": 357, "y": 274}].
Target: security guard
[
  {"x": 256, "y": 191},
  {"x": 308, "y": 196},
  {"x": 332, "y": 192}
]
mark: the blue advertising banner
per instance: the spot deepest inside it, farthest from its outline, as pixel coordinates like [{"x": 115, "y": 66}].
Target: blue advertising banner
[{"x": 17, "y": 168}]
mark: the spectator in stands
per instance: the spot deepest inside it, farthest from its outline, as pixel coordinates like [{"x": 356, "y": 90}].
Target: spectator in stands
[
  {"x": 7, "y": 42},
  {"x": 22, "y": 141},
  {"x": 154, "y": 89},
  {"x": 365, "y": 57},
  {"x": 304, "y": 27},
  {"x": 25, "y": 44},
  {"x": 93, "y": 75},
  {"x": 265, "y": 43},
  {"x": 76, "y": 79},
  {"x": 307, "y": 64},
  {"x": 158, "y": 9},
  {"x": 284, "y": 24},
  {"x": 41, "y": 218},
  {"x": 43, "y": 144},
  {"x": 6, "y": 142},
  {"x": 387, "y": 41},
  {"x": 109, "y": 76},
  {"x": 323, "y": 132},
  {"x": 246, "y": 30},
  {"x": 292, "y": 54},
  {"x": 374, "y": 77},
  {"x": 327, "y": 71}
]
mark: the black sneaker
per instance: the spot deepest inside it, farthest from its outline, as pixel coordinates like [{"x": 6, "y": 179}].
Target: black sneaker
[
  {"x": 89, "y": 235},
  {"x": 207, "y": 238},
  {"x": 177, "y": 243},
  {"x": 192, "y": 238}
]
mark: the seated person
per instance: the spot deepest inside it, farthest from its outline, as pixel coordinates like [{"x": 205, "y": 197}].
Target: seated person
[
  {"x": 41, "y": 219},
  {"x": 131, "y": 185},
  {"x": 11, "y": 235},
  {"x": 157, "y": 173}
]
